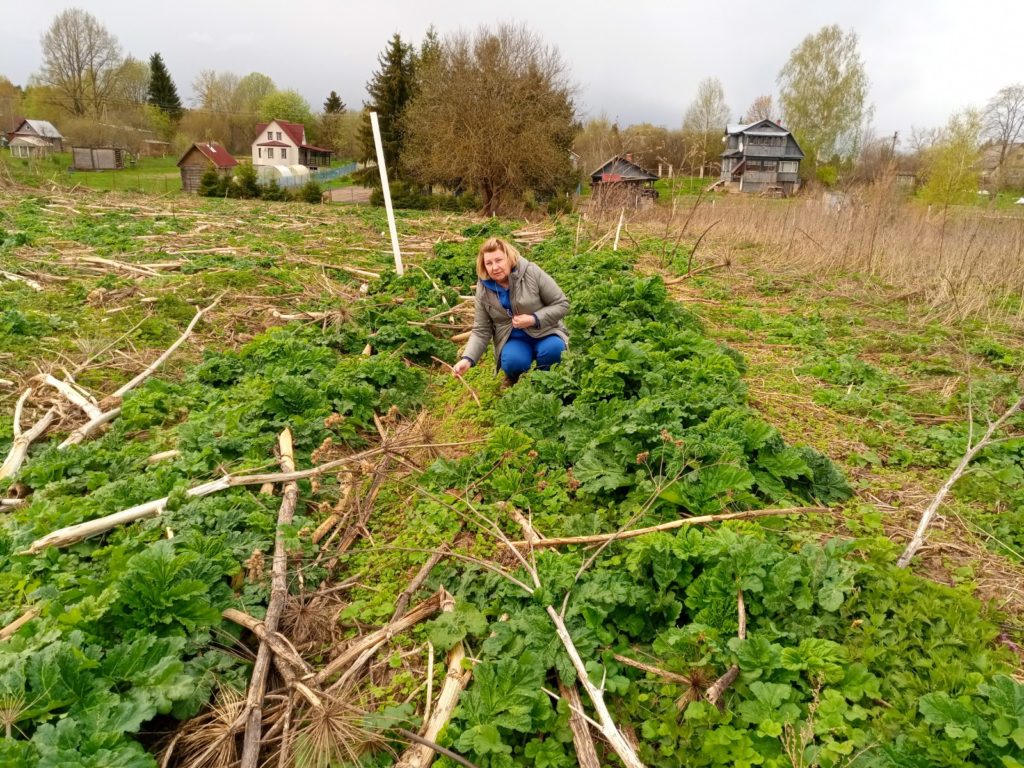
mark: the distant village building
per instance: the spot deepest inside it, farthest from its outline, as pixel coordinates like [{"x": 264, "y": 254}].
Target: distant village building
[
  {"x": 620, "y": 181},
  {"x": 1010, "y": 174},
  {"x": 281, "y": 143},
  {"x": 760, "y": 157},
  {"x": 154, "y": 148},
  {"x": 200, "y": 157},
  {"x": 35, "y": 138}
]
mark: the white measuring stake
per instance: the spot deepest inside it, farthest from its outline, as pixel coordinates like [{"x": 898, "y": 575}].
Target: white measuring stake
[{"x": 387, "y": 193}]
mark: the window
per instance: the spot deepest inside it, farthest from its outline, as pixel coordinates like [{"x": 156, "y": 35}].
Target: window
[
  {"x": 270, "y": 135},
  {"x": 766, "y": 141},
  {"x": 259, "y": 151},
  {"x": 270, "y": 153},
  {"x": 284, "y": 153},
  {"x": 278, "y": 135},
  {"x": 789, "y": 166}
]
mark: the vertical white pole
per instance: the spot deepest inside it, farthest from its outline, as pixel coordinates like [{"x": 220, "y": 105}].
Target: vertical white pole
[
  {"x": 387, "y": 193},
  {"x": 618, "y": 229}
]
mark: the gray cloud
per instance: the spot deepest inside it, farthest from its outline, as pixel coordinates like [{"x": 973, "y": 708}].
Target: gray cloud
[{"x": 638, "y": 61}]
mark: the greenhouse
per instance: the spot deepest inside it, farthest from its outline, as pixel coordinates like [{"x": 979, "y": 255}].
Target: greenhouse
[{"x": 287, "y": 176}]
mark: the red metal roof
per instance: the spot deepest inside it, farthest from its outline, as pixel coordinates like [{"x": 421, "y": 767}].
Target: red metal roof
[
  {"x": 213, "y": 152},
  {"x": 273, "y": 144},
  {"x": 316, "y": 149},
  {"x": 295, "y": 131}
]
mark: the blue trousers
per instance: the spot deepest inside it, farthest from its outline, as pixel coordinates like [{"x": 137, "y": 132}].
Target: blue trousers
[{"x": 518, "y": 354}]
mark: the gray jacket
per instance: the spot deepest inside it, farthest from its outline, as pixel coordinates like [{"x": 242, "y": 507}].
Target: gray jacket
[{"x": 532, "y": 291}]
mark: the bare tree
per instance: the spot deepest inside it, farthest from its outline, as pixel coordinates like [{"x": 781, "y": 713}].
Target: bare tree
[
  {"x": 598, "y": 140},
  {"x": 230, "y": 107},
  {"x": 762, "y": 108},
  {"x": 507, "y": 127},
  {"x": 706, "y": 119},
  {"x": 924, "y": 139},
  {"x": 132, "y": 81},
  {"x": 1004, "y": 121},
  {"x": 646, "y": 143},
  {"x": 81, "y": 60}
]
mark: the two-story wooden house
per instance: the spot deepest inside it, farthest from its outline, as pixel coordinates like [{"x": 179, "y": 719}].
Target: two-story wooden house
[
  {"x": 282, "y": 143},
  {"x": 761, "y": 157}
]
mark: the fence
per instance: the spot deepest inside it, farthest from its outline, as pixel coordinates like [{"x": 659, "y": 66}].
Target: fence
[{"x": 330, "y": 174}]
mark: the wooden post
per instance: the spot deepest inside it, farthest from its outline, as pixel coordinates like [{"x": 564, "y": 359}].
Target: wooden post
[{"x": 387, "y": 193}]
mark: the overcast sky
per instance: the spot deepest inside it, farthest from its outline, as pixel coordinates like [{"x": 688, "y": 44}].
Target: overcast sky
[{"x": 634, "y": 60}]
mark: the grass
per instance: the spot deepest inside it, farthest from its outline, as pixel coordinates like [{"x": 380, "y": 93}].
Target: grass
[
  {"x": 882, "y": 381},
  {"x": 682, "y": 186},
  {"x": 878, "y": 377},
  {"x": 887, "y": 390},
  {"x": 152, "y": 175},
  {"x": 961, "y": 261},
  {"x": 149, "y": 175}
]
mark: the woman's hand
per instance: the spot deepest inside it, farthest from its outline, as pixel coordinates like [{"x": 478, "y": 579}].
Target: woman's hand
[
  {"x": 461, "y": 367},
  {"x": 524, "y": 321}
]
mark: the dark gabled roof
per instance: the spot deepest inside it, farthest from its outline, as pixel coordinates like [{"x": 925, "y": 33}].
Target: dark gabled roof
[
  {"x": 622, "y": 170},
  {"x": 213, "y": 152},
  {"x": 790, "y": 150},
  {"x": 760, "y": 128}
]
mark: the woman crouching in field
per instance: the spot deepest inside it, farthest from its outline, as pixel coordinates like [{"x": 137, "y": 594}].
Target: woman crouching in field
[{"x": 520, "y": 307}]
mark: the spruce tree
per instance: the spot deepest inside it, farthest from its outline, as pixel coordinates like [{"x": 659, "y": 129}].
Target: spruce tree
[
  {"x": 162, "y": 93},
  {"x": 334, "y": 105},
  {"x": 390, "y": 89}
]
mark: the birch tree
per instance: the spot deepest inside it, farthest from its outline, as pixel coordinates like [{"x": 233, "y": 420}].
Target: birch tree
[
  {"x": 823, "y": 92},
  {"x": 705, "y": 121}
]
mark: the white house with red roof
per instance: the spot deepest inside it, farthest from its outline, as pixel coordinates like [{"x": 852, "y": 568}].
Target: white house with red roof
[{"x": 282, "y": 143}]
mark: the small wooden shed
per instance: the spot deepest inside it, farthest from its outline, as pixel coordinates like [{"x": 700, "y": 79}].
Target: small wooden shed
[
  {"x": 198, "y": 158},
  {"x": 97, "y": 158},
  {"x": 620, "y": 181}
]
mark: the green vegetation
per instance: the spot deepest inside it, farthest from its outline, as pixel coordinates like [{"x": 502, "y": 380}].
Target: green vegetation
[
  {"x": 769, "y": 392},
  {"x": 155, "y": 175}
]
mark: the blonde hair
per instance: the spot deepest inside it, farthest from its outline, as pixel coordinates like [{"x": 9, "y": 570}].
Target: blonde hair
[{"x": 495, "y": 244}]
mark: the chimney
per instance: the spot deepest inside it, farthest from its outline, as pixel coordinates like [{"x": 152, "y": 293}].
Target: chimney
[{"x": 629, "y": 157}]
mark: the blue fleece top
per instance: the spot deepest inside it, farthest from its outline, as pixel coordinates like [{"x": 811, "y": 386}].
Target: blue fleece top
[{"x": 506, "y": 302}]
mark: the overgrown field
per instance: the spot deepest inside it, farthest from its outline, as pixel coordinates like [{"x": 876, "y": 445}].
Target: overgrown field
[{"x": 771, "y": 639}]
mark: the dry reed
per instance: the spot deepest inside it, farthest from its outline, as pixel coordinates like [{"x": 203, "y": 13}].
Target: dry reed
[{"x": 960, "y": 260}]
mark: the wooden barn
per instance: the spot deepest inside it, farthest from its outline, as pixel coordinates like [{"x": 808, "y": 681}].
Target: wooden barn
[
  {"x": 621, "y": 182},
  {"x": 198, "y": 158},
  {"x": 760, "y": 157}
]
